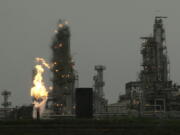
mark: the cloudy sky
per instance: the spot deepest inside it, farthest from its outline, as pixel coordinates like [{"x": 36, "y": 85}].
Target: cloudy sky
[{"x": 103, "y": 32}]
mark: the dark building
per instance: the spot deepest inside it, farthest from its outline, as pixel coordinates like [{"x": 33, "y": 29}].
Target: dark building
[{"x": 84, "y": 102}]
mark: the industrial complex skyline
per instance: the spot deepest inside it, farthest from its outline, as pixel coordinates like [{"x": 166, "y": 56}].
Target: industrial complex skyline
[{"x": 102, "y": 32}]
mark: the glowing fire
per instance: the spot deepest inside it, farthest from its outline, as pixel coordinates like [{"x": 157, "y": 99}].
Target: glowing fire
[
  {"x": 39, "y": 91},
  {"x": 43, "y": 62}
]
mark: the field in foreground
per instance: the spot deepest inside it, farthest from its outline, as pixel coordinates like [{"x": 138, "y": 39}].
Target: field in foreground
[{"x": 114, "y": 126}]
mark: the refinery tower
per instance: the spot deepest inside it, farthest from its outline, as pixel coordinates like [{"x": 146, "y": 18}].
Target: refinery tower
[
  {"x": 154, "y": 91},
  {"x": 62, "y": 95}
]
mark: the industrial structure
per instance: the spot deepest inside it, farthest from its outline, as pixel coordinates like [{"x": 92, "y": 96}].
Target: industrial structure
[
  {"x": 100, "y": 103},
  {"x": 64, "y": 75},
  {"x": 4, "y": 112},
  {"x": 154, "y": 91},
  {"x": 6, "y": 95},
  {"x": 84, "y": 102}
]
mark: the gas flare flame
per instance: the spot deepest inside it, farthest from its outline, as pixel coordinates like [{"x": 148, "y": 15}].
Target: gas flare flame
[
  {"x": 39, "y": 91},
  {"x": 43, "y": 62}
]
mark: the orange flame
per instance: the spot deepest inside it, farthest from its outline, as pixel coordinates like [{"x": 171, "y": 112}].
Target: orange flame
[
  {"x": 43, "y": 62},
  {"x": 39, "y": 91}
]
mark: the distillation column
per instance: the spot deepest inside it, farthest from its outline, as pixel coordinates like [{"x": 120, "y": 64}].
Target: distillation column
[
  {"x": 63, "y": 70},
  {"x": 159, "y": 37},
  {"x": 99, "y": 101}
]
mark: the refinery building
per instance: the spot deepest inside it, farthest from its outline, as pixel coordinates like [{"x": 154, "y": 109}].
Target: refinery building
[{"x": 153, "y": 91}]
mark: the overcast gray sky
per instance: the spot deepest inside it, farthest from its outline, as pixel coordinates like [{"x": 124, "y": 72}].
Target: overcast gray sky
[{"x": 103, "y": 32}]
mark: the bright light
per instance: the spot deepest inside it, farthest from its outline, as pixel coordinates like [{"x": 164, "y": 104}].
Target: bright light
[
  {"x": 66, "y": 22},
  {"x": 60, "y": 45},
  {"x": 39, "y": 91},
  {"x": 55, "y": 31},
  {"x": 61, "y": 25}
]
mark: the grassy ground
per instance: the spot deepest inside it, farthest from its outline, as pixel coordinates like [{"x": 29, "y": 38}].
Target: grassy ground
[{"x": 113, "y": 126}]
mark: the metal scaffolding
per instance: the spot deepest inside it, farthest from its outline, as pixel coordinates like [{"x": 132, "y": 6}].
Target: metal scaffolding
[{"x": 154, "y": 91}]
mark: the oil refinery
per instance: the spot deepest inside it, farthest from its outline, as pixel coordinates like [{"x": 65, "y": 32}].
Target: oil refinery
[{"x": 153, "y": 94}]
